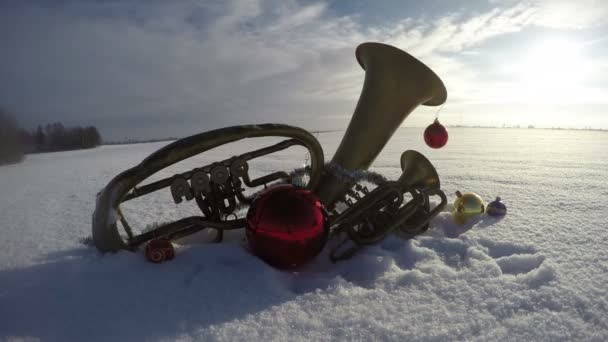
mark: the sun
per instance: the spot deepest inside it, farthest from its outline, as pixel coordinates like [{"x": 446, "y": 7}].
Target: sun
[{"x": 552, "y": 71}]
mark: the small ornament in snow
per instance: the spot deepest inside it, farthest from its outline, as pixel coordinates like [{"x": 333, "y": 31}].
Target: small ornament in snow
[{"x": 496, "y": 208}]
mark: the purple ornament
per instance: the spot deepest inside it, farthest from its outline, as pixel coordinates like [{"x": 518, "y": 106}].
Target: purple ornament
[{"x": 496, "y": 208}]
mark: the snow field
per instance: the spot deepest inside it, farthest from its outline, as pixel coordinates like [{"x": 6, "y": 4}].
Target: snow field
[{"x": 537, "y": 274}]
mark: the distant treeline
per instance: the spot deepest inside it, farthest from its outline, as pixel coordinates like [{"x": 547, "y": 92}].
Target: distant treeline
[
  {"x": 128, "y": 141},
  {"x": 15, "y": 142},
  {"x": 55, "y": 137},
  {"x": 11, "y": 146}
]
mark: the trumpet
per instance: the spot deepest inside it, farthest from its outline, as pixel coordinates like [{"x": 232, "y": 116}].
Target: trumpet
[{"x": 395, "y": 84}]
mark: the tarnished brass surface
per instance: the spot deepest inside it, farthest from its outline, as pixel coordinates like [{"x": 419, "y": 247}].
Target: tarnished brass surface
[
  {"x": 370, "y": 218},
  {"x": 395, "y": 84},
  {"x": 418, "y": 172},
  {"x": 105, "y": 231}
]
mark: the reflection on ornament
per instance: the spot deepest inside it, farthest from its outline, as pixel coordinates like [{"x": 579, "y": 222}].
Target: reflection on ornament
[
  {"x": 466, "y": 206},
  {"x": 496, "y": 208},
  {"x": 287, "y": 226},
  {"x": 436, "y": 135},
  {"x": 159, "y": 250}
]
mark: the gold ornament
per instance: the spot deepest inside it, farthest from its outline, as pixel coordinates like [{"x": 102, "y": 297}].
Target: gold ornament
[{"x": 466, "y": 206}]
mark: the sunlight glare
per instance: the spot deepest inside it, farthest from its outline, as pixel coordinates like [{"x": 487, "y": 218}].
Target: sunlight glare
[{"x": 553, "y": 71}]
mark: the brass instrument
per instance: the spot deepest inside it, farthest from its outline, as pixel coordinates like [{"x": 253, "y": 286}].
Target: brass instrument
[
  {"x": 395, "y": 84},
  {"x": 212, "y": 186}
]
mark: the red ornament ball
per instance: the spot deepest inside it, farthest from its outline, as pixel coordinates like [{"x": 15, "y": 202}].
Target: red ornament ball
[
  {"x": 436, "y": 135},
  {"x": 159, "y": 250},
  {"x": 287, "y": 226}
]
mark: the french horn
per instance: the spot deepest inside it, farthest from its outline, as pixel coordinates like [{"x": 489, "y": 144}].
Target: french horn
[{"x": 395, "y": 84}]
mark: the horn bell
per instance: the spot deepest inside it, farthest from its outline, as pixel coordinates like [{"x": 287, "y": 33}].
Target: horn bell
[
  {"x": 418, "y": 172},
  {"x": 395, "y": 84}
]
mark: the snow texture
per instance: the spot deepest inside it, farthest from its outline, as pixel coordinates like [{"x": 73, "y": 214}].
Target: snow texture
[{"x": 538, "y": 274}]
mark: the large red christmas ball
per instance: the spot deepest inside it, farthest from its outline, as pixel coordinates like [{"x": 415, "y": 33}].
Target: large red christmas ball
[
  {"x": 436, "y": 135},
  {"x": 287, "y": 226}
]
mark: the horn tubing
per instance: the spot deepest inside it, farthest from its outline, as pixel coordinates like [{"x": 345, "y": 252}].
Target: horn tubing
[{"x": 105, "y": 231}]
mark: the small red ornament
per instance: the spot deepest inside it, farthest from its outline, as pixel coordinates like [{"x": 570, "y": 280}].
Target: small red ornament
[
  {"x": 159, "y": 250},
  {"x": 436, "y": 135},
  {"x": 287, "y": 226}
]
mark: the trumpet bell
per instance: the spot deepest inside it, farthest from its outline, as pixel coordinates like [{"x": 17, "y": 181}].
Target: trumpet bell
[{"x": 418, "y": 172}]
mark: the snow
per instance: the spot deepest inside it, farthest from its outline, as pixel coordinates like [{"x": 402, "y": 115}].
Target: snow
[{"x": 540, "y": 273}]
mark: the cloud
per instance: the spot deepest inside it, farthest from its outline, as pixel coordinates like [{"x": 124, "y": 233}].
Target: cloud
[
  {"x": 454, "y": 33},
  {"x": 161, "y": 64},
  {"x": 174, "y": 68},
  {"x": 566, "y": 14}
]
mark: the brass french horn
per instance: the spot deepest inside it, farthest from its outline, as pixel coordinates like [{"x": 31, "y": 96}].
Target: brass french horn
[{"x": 395, "y": 84}]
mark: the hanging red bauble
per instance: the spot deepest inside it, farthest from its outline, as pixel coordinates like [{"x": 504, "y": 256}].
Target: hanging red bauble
[
  {"x": 287, "y": 226},
  {"x": 159, "y": 250},
  {"x": 436, "y": 135}
]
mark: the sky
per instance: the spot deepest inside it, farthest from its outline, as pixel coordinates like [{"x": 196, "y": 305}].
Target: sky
[{"x": 153, "y": 69}]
